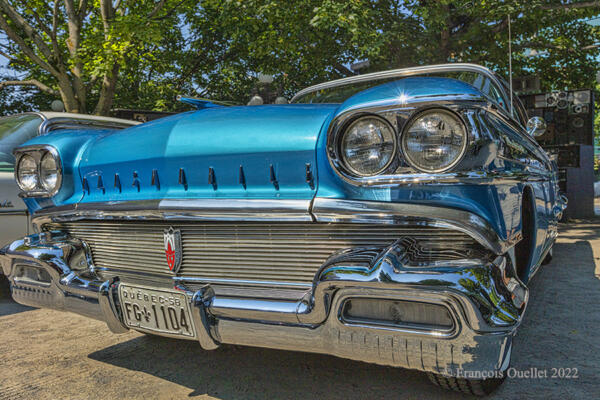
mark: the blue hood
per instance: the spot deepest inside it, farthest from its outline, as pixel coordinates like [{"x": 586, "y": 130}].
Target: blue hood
[{"x": 213, "y": 152}]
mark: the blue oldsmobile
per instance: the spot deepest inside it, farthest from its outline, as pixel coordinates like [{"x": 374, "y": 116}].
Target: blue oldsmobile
[{"x": 393, "y": 218}]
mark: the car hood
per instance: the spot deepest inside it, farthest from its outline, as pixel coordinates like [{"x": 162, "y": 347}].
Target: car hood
[{"x": 230, "y": 152}]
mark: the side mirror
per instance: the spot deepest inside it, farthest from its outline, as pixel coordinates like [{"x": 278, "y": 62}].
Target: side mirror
[{"x": 536, "y": 126}]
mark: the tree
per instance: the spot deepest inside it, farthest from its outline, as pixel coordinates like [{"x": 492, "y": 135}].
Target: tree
[
  {"x": 233, "y": 41},
  {"x": 414, "y": 32},
  {"x": 80, "y": 50}
]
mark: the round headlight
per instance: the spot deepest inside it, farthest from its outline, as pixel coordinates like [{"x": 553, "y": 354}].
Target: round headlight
[
  {"x": 49, "y": 172},
  {"x": 27, "y": 175},
  {"x": 434, "y": 141},
  {"x": 368, "y": 146}
]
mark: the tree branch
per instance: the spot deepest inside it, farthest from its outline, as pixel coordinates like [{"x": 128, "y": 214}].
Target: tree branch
[
  {"x": 170, "y": 12},
  {"x": 31, "y": 33},
  {"x": 30, "y": 82},
  {"x": 25, "y": 48},
  {"x": 343, "y": 70},
  {"x": 538, "y": 45},
  {"x": 582, "y": 4},
  {"x": 156, "y": 9}
]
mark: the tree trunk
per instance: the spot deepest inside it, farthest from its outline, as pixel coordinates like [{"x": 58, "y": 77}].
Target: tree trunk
[
  {"x": 107, "y": 92},
  {"x": 68, "y": 96}
]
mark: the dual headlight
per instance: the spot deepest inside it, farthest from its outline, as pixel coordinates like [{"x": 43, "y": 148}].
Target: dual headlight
[
  {"x": 38, "y": 171},
  {"x": 432, "y": 141}
]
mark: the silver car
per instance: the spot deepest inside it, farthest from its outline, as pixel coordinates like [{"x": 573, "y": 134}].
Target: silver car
[{"x": 16, "y": 130}]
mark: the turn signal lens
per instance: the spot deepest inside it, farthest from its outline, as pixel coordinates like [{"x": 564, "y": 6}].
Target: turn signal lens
[
  {"x": 49, "y": 172},
  {"x": 27, "y": 173}
]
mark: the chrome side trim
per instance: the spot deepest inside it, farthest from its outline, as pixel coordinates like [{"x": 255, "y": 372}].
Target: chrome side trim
[
  {"x": 445, "y": 178},
  {"x": 335, "y": 210},
  {"x": 14, "y": 212}
]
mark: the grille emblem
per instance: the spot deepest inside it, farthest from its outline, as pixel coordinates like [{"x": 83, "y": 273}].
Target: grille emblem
[{"x": 172, "y": 239}]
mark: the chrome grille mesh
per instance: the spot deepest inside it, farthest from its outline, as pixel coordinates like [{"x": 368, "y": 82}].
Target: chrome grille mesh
[{"x": 271, "y": 252}]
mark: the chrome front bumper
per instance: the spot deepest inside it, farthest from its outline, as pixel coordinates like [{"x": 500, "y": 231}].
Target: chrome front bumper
[{"x": 486, "y": 302}]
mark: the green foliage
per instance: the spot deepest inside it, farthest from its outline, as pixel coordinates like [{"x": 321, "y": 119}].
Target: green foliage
[
  {"x": 85, "y": 55},
  {"x": 308, "y": 41},
  {"x": 216, "y": 48}
]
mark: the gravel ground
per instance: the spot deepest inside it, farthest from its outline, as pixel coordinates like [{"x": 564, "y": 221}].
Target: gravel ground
[{"x": 52, "y": 355}]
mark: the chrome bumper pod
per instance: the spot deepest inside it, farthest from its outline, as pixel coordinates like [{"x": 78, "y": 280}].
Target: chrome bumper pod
[{"x": 483, "y": 298}]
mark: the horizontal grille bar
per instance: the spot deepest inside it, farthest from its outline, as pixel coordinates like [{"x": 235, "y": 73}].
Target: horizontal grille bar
[{"x": 286, "y": 252}]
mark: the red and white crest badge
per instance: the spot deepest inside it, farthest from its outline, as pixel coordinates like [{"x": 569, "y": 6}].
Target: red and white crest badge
[{"x": 172, "y": 239}]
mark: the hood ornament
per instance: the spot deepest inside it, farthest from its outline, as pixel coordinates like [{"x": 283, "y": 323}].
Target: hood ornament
[{"x": 173, "y": 251}]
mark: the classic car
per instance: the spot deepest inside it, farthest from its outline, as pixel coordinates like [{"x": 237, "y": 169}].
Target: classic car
[
  {"x": 393, "y": 218},
  {"x": 16, "y": 130}
]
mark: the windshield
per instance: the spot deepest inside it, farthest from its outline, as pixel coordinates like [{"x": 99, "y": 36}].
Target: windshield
[
  {"x": 14, "y": 131},
  {"x": 491, "y": 88},
  {"x": 338, "y": 94}
]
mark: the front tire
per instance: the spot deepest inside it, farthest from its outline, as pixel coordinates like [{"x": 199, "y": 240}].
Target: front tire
[
  {"x": 4, "y": 287},
  {"x": 477, "y": 387},
  {"x": 548, "y": 258}
]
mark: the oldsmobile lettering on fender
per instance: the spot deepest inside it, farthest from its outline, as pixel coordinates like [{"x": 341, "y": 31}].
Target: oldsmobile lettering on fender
[{"x": 393, "y": 218}]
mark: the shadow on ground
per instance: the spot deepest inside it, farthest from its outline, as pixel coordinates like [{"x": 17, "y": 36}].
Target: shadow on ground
[
  {"x": 9, "y": 307},
  {"x": 235, "y": 372}
]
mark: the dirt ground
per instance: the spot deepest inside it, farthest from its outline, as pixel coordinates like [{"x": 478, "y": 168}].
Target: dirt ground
[{"x": 51, "y": 355}]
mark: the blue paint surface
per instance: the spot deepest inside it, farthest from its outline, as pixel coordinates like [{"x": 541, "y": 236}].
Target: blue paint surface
[{"x": 264, "y": 151}]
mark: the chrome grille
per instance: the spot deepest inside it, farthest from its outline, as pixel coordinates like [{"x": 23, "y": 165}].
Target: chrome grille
[{"x": 258, "y": 252}]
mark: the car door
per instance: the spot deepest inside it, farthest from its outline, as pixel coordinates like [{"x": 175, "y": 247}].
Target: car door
[{"x": 14, "y": 131}]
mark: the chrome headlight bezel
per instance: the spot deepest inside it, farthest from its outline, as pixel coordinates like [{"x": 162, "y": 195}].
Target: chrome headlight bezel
[
  {"x": 38, "y": 152},
  {"x": 415, "y": 117},
  {"x": 400, "y": 170}
]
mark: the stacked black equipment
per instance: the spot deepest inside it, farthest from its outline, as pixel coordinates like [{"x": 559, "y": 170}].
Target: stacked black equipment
[{"x": 569, "y": 140}]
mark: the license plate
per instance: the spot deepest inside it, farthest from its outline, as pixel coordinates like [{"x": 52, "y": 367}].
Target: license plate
[{"x": 156, "y": 310}]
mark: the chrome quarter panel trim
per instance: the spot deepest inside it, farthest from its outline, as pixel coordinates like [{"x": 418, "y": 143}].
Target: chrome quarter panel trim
[{"x": 336, "y": 210}]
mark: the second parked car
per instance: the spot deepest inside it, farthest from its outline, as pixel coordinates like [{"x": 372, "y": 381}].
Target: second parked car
[{"x": 16, "y": 130}]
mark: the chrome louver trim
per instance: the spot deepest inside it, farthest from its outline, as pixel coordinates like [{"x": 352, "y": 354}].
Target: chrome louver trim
[{"x": 242, "y": 253}]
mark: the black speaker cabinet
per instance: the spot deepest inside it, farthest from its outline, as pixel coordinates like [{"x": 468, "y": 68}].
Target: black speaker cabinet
[
  {"x": 568, "y": 114},
  {"x": 578, "y": 183}
]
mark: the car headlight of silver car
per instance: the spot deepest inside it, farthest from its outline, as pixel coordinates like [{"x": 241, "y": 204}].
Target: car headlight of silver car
[
  {"x": 367, "y": 146},
  {"x": 48, "y": 171},
  {"x": 38, "y": 171},
  {"x": 434, "y": 140},
  {"x": 27, "y": 173}
]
